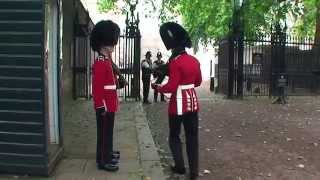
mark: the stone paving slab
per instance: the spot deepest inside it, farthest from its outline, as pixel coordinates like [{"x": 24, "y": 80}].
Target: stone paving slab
[
  {"x": 153, "y": 169},
  {"x": 149, "y": 156},
  {"x": 139, "y": 158},
  {"x": 71, "y": 166}
]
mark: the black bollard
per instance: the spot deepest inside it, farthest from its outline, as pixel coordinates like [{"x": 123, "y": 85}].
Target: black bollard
[{"x": 212, "y": 84}]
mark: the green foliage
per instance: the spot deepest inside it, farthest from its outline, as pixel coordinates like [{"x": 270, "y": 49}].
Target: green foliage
[
  {"x": 168, "y": 10},
  {"x": 123, "y": 6},
  {"x": 305, "y": 25},
  {"x": 210, "y": 20},
  {"x": 206, "y": 19},
  {"x": 106, "y": 5}
]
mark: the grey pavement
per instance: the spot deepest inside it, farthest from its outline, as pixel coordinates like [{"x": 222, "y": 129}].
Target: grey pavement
[{"x": 139, "y": 156}]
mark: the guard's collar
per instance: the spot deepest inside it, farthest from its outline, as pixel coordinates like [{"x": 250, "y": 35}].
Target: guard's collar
[
  {"x": 177, "y": 52},
  {"x": 102, "y": 57}
]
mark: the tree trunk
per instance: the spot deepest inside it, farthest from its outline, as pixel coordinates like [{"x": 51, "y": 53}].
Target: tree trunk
[{"x": 317, "y": 34}]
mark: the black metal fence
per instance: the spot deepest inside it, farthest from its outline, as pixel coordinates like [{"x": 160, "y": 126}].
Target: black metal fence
[
  {"x": 256, "y": 67},
  {"x": 127, "y": 57},
  {"x": 82, "y": 63}
]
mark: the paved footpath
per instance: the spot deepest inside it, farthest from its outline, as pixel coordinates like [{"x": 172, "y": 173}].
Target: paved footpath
[{"x": 139, "y": 156}]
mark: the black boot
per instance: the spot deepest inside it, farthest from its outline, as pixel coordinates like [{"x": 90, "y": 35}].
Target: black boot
[
  {"x": 109, "y": 167},
  {"x": 162, "y": 98},
  {"x": 146, "y": 102},
  {"x": 155, "y": 96}
]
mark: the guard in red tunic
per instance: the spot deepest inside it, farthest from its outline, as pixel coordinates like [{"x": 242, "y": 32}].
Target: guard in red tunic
[
  {"x": 184, "y": 76},
  {"x": 104, "y": 37}
]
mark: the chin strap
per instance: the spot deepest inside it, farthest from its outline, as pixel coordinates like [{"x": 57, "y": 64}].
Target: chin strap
[{"x": 176, "y": 52}]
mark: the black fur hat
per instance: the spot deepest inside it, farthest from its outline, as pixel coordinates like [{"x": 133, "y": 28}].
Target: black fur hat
[
  {"x": 104, "y": 33},
  {"x": 174, "y": 35}
]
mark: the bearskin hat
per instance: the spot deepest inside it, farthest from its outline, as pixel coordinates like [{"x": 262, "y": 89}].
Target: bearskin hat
[
  {"x": 104, "y": 33},
  {"x": 174, "y": 35}
]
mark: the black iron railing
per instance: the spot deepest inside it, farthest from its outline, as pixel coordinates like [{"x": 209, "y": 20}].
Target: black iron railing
[{"x": 270, "y": 64}]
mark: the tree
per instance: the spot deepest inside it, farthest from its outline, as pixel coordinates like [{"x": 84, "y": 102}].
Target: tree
[
  {"x": 122, "y": 6},
  {"x": 317, "y": 33},
  {"x": 309, "y": 23},
  {"x": 210, "y": 20},
  {"x": 106, "y": 5}
]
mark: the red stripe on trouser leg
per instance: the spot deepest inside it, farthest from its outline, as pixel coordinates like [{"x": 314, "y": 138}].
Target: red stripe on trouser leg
[
  {"x": 179, "y": 101},
  {"x": 102, "y": 138},
  {"x": 195, "y": 103}
]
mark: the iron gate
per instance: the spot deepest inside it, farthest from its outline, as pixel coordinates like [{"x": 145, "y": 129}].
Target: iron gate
[
  {"x": 127, "y": 57},
  {"x": 83, "y": 58},
  {"x": 265, "y": 60}
]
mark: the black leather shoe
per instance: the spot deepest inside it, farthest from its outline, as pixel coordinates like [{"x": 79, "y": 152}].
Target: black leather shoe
[
  {"x": 114, "y": 161},
  {"x": 109, "y": 167},
  {"x": 177, "y": 170}
]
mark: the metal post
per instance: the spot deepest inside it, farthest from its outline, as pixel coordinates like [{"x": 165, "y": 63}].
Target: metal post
[
  {"x": 240, "y": 66},
  {"x": 211, "y": 78},
  {"x": 210, "y": 68},
  {"x": 236, "y": 77},
  {"x": 231, "y": 68},
  {"x": 279, "y": 77},
  {"x": 134, "y": 38}
]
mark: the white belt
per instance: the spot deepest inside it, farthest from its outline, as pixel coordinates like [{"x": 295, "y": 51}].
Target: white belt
[
  {"x": 110, "y": 87},
  {"x": 187, "y": 86},
  {"x": 179, "y": 96}
]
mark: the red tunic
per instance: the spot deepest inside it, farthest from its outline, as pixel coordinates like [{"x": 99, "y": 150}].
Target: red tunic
[
  {"x": 184, "y": 76},
  {"x": 104, "y": 85}
]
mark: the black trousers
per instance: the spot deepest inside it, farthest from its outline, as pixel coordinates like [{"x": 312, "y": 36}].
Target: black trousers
[
  {"x": 146, "y": 87},
  {"x": 105, "y": 125},
  {"x": 190, "y": 122},
  {"x": 155, "y": 95}
]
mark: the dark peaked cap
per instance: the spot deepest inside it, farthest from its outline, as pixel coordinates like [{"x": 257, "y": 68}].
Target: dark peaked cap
[
  {"x": 173, "y": 35},
  {"x": 104, "y": 33}
]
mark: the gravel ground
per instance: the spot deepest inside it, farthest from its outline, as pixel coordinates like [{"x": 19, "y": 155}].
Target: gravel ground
[{"x": 250, "y": 139}]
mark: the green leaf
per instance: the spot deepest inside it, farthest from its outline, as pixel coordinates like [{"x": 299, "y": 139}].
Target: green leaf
[{"x": 210, "y": 20}]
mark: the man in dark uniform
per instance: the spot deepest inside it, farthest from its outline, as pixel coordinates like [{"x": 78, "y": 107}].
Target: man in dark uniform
[
  {"x": 156, "y": 64},
  {"x": 146, "y": 67},
  {"x": 103, "y": 38},
  {"x": 184, "y": 76}
]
